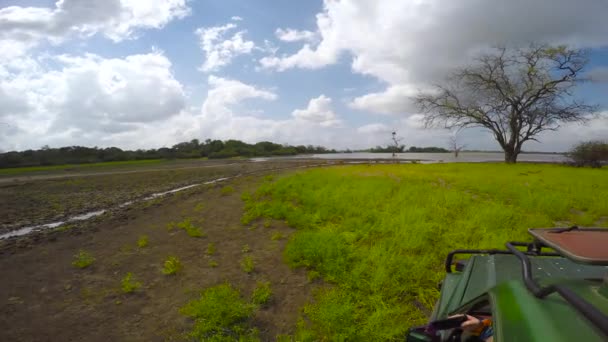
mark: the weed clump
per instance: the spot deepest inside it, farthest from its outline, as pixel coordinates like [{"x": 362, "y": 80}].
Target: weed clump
[
  {"x": 83, "y": 259},
  {"x": 142, "y": 242},
  {"x": 172, "y": 265},
  {"x": 246, "y": 248},
  {"x": 247, "y": 264},
  {"x": 262, "y": 293},
  {"x": 276, "y": 236},
  {"x": 128, "y": 285},
  {"x": 213, "y": 263},
  {"x": 227, "y": 190},
  {"x": 220, "y": 314},
  {"x": 190, "y": 228},
  {"x": 211, "y": 248}
]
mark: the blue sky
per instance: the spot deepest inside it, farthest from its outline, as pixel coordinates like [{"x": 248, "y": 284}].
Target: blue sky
[{"x": 141, "y": 74}]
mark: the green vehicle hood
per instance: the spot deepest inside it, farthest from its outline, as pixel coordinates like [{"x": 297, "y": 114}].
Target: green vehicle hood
[{"x": 518, "y": 314}]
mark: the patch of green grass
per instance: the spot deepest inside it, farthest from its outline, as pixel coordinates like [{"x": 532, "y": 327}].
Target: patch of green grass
[
  {"x": 379, "y": 234},
  {"x": 172, "y": 266},
  {"x": 276, "y": 236},
  {"x": 247, "y": 264},
  {"x": 213, "y": 263},
  {"x": 128, "y": 284},
  {"x": 211, "y": 248},
  {"x": 262, "y": 293},
  {"x": 227, "y": 190},
  {"x": 83, "y": 259},
  {"x": 220, "y": 314},
  {"x": 246, "y": 248},
  {"x": 267, "y": 224},
  {"x": 190, "y": 228},
  {"x": 142, "y": 241},
  {"x": 312, "y": 276}
]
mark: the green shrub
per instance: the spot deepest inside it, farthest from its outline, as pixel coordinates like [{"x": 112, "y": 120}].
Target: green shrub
[
  {"x": 142, "y": 242},
  {"x": 262, "y": 293},
  {"x": 128, "y": 285},
  {"x": 83, "y": 259},
  {"x": 220, "y": 314},
  {"x": 590, "y": 153},
  {"x": 172, "y": 265},
  {"x": 247, "y": 264}
]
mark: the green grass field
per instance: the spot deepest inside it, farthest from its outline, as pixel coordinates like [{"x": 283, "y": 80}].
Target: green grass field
[{"x": 379, "y": 234}]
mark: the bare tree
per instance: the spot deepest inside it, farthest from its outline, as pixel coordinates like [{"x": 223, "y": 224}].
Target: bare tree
[
  {"x": 455, "y": 146},
  {"x": 515, "y": 93},
  {"x": 396, "y": 147}
]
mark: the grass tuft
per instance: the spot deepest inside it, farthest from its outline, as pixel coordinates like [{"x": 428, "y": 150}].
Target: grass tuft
[
  {"x": 128, "y": 284},
  {"x": 142, "y": 242},
  {"x": 227, "y": 190},
  {"x": 262, "y": 293},
  {"x": 211, "y": 248},
  {"x": 172, "y": 266},
  {"x": 247, "y": 264},
  {"x": 220, "y": 314},
  {"x": 83, "y": 259}
]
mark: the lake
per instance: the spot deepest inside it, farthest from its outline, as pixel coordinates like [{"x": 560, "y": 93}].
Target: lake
[{"x": 445, "y": 157}]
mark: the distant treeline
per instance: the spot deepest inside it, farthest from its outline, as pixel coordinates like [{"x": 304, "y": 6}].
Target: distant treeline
[
  {"x": 400, "y": 149},
  {"x": 192, "y": 149}
]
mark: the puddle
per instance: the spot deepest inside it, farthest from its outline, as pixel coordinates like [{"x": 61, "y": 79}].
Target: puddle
[{"x": 91, "y": 214}]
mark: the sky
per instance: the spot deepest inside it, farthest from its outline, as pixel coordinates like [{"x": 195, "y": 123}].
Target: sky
[{"x": 338, "y": 73}]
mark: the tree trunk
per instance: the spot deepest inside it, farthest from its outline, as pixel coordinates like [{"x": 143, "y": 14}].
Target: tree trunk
[{"x": 510, "y": 156}]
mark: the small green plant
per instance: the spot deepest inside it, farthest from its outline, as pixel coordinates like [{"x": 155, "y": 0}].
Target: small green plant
[
  {"x": 199, "y": 207},
  {"x": 172, "y": 265},
  {"x": 190, "y": 228},
  {"x": 213, "y": 263},
  {"x": 83, "y": 259},
  {"x": 128, "y": 285},
  {"x": 211, "y": 248},
  {"x": 276, "y": 236},
  {"x": 266, "y": 223},
  {"x": 142, "y": 242},
  {"x": 262, "y": 293},
  {"x": 246, "y": 249},
  {"x": 227, "y": 190},
  {"x": 220, "y": 314},
  {"x": 247, "y": 264}
]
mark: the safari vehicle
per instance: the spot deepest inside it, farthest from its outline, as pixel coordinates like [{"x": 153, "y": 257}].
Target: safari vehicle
[{"x": 552, "y": 289}]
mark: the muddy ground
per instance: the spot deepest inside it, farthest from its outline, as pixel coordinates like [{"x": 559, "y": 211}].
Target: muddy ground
[
  {"x": 27, "y": 200},
  {"x": 44, "y": 298}
]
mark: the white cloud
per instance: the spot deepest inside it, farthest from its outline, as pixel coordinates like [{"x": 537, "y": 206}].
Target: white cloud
[
  {"x": 413, "y": 43},
  {"x": 25, "y": 27},
  {"x": 88, "y": 98},
  {"x": 291, "y": 35},
  {"x": 394, "y": 100},
  {"x": 236, "y": 18},
  {"x": 375, "y": 128},
  {"x": 319, "y": 111},
  {"x": 220, "y": 50}
]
